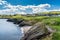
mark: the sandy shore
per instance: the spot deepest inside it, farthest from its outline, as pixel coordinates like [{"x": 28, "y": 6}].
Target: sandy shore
[{"x": 24, "y": 29}]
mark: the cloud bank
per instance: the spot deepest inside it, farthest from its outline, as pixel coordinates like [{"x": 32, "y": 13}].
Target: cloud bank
[{"x": 19, "y": 9}]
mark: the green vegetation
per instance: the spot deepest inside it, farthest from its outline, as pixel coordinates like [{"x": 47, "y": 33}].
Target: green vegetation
[{"x": 52, "y": 21}]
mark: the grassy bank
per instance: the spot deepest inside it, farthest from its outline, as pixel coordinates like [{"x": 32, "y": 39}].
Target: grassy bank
[{"x": 53, "y": 22}]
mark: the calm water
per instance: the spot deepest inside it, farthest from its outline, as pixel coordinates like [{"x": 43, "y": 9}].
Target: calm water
[{"x": 9, "y": 31}]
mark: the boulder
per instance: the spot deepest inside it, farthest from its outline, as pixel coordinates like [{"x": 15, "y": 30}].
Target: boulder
[
  {"x": 18, "y": 21},
  {"x": 24, "y": 23},
  {"x": 12, "y": 20},
  {"x": 37, "y": 32},
  {"x": 9, "y": 20}
]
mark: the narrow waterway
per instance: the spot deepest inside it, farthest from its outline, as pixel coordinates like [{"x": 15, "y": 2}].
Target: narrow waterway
[{"x": 9, "y": 31}]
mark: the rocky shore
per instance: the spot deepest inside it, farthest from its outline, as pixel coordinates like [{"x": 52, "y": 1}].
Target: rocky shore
[
  {"x": 20, "y": 22},
  {"x": 39, "y": 31}
]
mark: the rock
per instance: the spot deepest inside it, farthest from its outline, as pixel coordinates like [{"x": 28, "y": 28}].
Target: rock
[
  {"x": 37, "y": 32},
  {"x": 9, "y": 20},
  {"x": 12, "y": 20},
  {"x": 24, "y": 23},
  {"x": 18, "y": 21}
]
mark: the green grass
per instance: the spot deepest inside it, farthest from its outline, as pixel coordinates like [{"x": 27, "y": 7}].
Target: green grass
[
  {"x": 53, "y": 22},
  {"x": 56, "y": 36}
]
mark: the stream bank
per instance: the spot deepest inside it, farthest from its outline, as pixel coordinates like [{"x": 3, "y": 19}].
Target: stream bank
[{"x": 39, "y": 31}]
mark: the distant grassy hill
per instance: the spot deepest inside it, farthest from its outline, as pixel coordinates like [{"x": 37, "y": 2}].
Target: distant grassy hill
[
  {"x": 34, "y": 14},
  {"x": 48, "y": 13}
]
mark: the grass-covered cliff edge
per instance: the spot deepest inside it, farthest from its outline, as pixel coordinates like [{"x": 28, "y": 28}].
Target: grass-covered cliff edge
[{"x": 49, "y": 18}]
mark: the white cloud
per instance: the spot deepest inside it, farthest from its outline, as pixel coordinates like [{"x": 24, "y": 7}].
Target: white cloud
[
  {"x": 55, "y": 10},
  {"x": 12, "y": 9},
  {"x": 3, "y": 2},
  {"x": 23, "y": 9},
  {"x": 35, "y": 9},
  {"x": 40, "y": 8},
  {"x": 0, "y": 0}
]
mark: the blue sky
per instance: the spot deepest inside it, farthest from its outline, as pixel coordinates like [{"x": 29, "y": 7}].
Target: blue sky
[
  {"x": 34, "y": 2},
  {"x": 55, "y": 3},
  {"x": 18, "y": 5}
]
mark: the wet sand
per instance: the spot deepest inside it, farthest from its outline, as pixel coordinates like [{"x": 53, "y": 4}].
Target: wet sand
[{"x": 24, "y": 29}]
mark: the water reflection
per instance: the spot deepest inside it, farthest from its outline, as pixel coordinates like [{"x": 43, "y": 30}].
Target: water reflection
[{"x": 9, "y": 31}]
